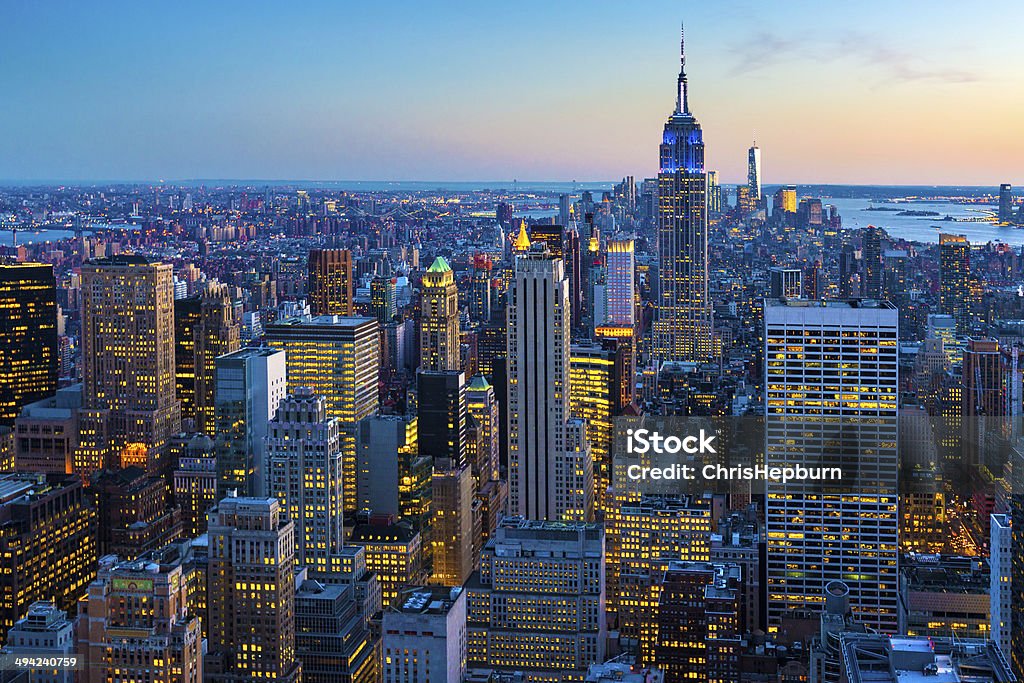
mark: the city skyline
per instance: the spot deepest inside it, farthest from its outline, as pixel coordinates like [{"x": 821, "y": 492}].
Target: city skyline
[{"x": 342, "y": 93}]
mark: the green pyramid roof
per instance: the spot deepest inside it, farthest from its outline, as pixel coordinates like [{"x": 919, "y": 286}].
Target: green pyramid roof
[
  {"x": 439, "y": 266},
  {"x": 478, "y": 383}
]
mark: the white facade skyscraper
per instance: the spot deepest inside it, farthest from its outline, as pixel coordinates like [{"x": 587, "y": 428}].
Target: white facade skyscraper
[
  {"x": 544, "y": 475},
  {"x": 1001, "y": 575},
  {"x": 831, "y": 387},
  {"x": 304, "y": 472},
  {"x": 249, "y": 385}
]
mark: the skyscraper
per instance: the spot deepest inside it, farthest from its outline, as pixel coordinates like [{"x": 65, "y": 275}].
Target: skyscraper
[
  {"x": 304, "y": 473},
  {"x": 130, "y": 408},
  {"x": 28, "y": 336},
  {"x": 330, "y": 282},
  {"x": 137, "y": 623},
  {"x": 45, "y": 522},
  {"x": 955, "y": 279},
  {"x": 393, "y": 478},
  {"x": 683, "y": 328},
  {"x": 439, "y": 325},
  {"x": 620, "y": 285},
  {"x": 451, "y": 528},
  {"x": 251, "y": 592},
  {"x": 250, "y": 386},
  {"x": 513, "y": 621},
  {"x": 205, "y": 327},
  {"x": 1005, "y": 203},
  {"x": 538, "y": 388},
  {"x": 382, "y": 299},
  {"x": 872, "y": 260},
  {"x": 338, "y": 359},
  {"x": 831, "y": 382},
  {"x": 441, "y": 408},
  {"x": 754, "y": 173}
]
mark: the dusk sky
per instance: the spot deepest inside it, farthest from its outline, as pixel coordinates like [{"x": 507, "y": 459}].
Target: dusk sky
[{"x": 870, "y": 92}]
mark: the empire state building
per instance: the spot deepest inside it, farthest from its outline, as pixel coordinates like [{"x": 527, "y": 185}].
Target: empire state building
[{"x": 682, "y": 330}]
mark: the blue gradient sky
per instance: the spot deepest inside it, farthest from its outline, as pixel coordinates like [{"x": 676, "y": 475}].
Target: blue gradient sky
[{"x": 870, "y": 92}]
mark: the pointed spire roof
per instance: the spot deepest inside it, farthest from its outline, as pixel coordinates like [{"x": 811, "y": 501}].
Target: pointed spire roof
[
  {"x": 682, "y": 105},
  {"x": 478, "y": 383},
  {"x": 439, "y": 266},
  {"x": 523, "y": 240}
]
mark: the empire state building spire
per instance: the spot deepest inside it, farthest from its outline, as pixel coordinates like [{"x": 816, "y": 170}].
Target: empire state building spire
[{"x": 682, "y": 106}]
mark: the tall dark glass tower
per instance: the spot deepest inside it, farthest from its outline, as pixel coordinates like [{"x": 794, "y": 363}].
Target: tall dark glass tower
[
  {"x": 682, "y": 331},
  {"x": 28, "y": 336}
]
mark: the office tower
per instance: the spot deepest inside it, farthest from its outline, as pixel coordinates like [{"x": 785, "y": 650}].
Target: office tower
[
  {"x": 745, "y": 205},
  {"x": 563, "y": 242},
  {"x": 550, "y": 626},
  {"x": 451, "y": 528},
  {"x": 754, "y": 173},
  {"x": 45, "y": 632},
  {"x": 28, "y": 336},
  {"x": 195, "y": 483},
  {"x": 251, "y": 592},
  {"x": 832, "y": 381},
  {"x": 699, "y": 623},
  {"x": 954, "y": 279},
  {"x": 136, "y": 623},
  {"x": 540, "y": 467},
  {"x": 565, "y": 206},
  {"x": 784, "y": 204},
  {"x": 46, "y": 433},
  {"x": 330, "y": 282},
  {"x": 644, "y": 535},
  {"x": 785, "y": 283},
  {"x": 441, "y": 408},
  {"x": 424, "y": 637},
  {"x": 922, "y": 494},
  {"x": 383, "y": 299},
  {"x": 250, "y": 384},
  {"x": 480, "y": 289},
  {"x": 714, "y": 194},
  {"x": 809, "y": 214},
  {"x": 682, "y": 329},
  {"x": 332, "y": 640},
  {"x": 620, "y": 285},
  {"x": 47, "y": 543},
  {"x": 1005, "y": 203},
  {"x": 394, "y": 480},
  {"x": 303, "y": 448},
  {"x": 595, "y": 395},
  {"x": 482, "y": 406},
  {"x": 129, "y": 407},
  {"x": 872, "y": 261},
  {"x": 439, "y": 325},
  {"x": 394, "y": 551},
  {"x": 983, "y": 404},
  {"x": 205, "y": 327},
  {"x": 894, "y": 277},
  {"x": 1000, "y": 582},
  {"x": 134, "y": 515},
  {"x": 338, "y": 358}
]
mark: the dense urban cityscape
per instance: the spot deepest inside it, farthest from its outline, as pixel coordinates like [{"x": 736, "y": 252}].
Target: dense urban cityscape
[{"x": 373, "y": 432}]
